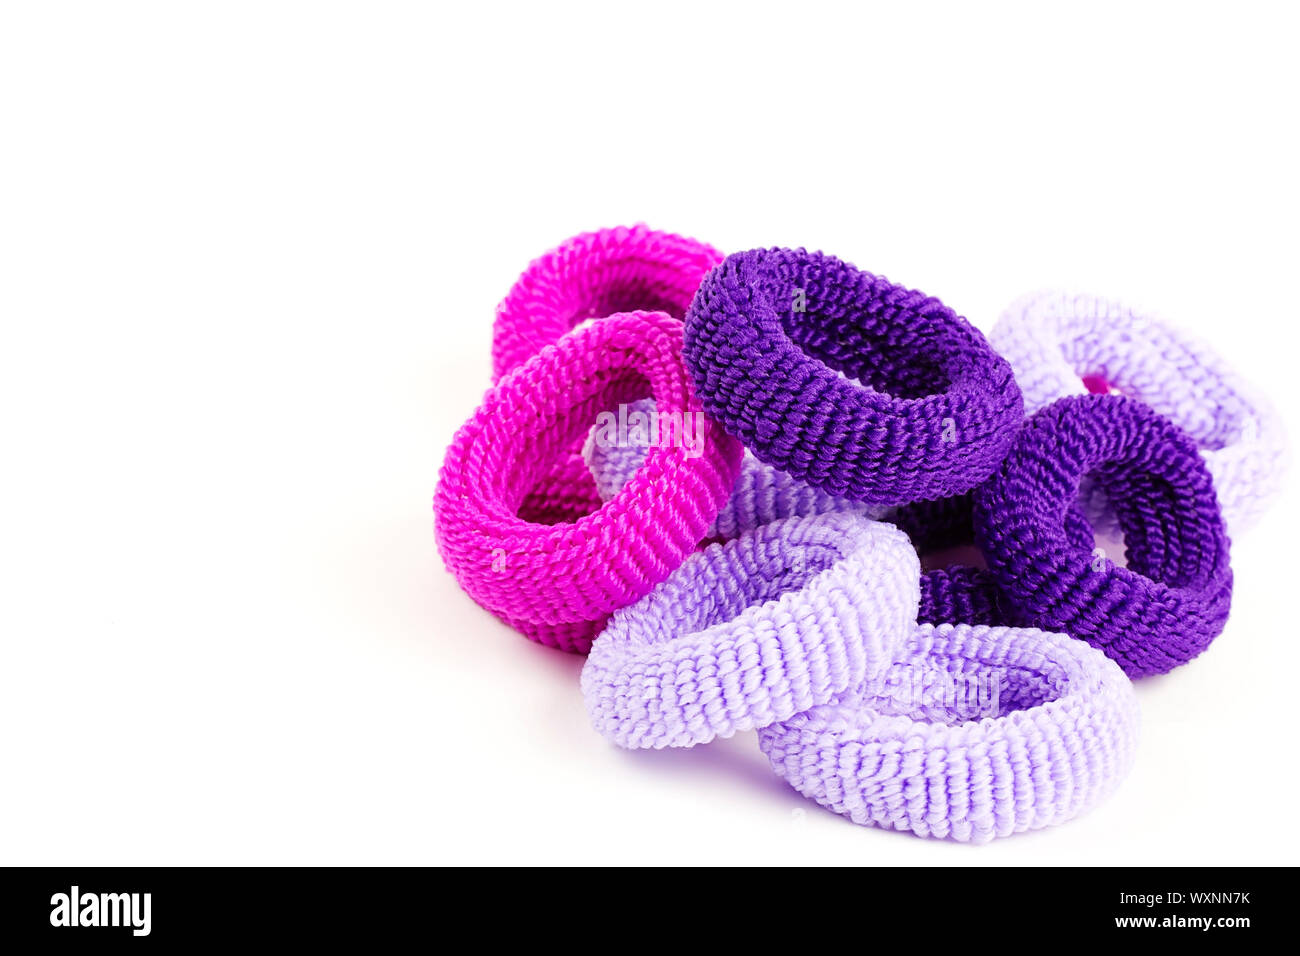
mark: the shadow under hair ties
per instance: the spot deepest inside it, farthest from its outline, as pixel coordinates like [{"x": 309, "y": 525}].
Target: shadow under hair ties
[
  {"x": 853, "y": 384},
  {"x": 976, "y": 732},
  {"x": 558, "y": 583},
  {"x": 1173, "y": 597},
  {"x": 1061, "y": 344},
  {"x": 753, "y": 631},
  {"x": 591, "y": 276}
]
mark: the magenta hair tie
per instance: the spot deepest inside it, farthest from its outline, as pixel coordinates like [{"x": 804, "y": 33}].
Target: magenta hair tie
[
  {"x": 753, "y": 631},
  {"x": 1172, "y": 598},
  {"x": 847, "y": 381},
  {"x": 594, "y": 275},
  {"x": 558, "y": 583},
  {"x": 977, "y": 732},
  {"x": 590, "y": 276}
]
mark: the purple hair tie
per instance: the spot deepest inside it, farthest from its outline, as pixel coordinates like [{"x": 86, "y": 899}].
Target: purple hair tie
[
  {"x": 958, "y": 593},
  {"x": 753, "y": 631},
  {"x": 976, "y": 732},
  {"x": 955, "y": 593},
  {"x": 1061, "y": 344},
  {"x": 1172, "y": 599},
  {"x": 853, "y": 384}
]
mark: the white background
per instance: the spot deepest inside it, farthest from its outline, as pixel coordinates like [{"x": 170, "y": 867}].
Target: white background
[{"x": 249, "y": 256}]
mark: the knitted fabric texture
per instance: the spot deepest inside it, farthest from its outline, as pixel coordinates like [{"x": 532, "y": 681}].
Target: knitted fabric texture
[
  {"x": 590, "y": 276},
  {"x": 558, "y": 583},
  {"x": 848, "y": 382},
  {"x": 977, "y": 732},
  {"x": 958, "y": 593},
  {"x": 1173, "y": 597},
  {"x": 753, "y": 631},
  {"x": 1062, "y": 344},
  {"x": 761, "y": 494},
  {"x": 955, "y": 593}
]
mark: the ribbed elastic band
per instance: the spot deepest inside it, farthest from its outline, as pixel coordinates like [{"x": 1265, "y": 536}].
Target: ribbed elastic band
[
  {"x": 977, "y": 732},
  {"x": 558, "y": 583},
  {"x": 593, "y": 275},
  {"x": 590, "y": 276},
  {"x": 1173, "y": 597},
  {"x": 960, "y": 594},
  {"x": 853, "y": 384},
  {"x": 956, "y": 593},
  {"x": 753, "y": 631},
  {"x": 1064, "y": 344}
]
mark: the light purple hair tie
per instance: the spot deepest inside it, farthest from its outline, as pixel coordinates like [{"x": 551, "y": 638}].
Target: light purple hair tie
[
  {"x": 977, "y": 732},
  {"x": 1062, "y": 344},
  {"x": 754, "y": 631}
]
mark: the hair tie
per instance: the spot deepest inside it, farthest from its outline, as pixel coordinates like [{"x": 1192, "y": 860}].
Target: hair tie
[
  {"x": 976, "y": 732},
  {"x": 1172, "y": 599},
  {"x": 590, "y": 276},
  {"x": 958, "y": 593},
  {"x": 594, "y": 275},
  {"x": 753, "y": 631},
  {"x": 558, "y": 583},
  {"x": 762, "y": 494},
  {"x": 1061, "y": 344},
  {"x": 855, "y": 385}
]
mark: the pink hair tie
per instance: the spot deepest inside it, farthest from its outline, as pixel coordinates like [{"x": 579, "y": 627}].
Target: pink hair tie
[
  {"x": 590, "y": 276},
  {"x": 558, "y": 583}
]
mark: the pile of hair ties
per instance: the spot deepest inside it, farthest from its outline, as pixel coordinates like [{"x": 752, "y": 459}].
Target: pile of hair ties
[{"x": 719, "y": 478}]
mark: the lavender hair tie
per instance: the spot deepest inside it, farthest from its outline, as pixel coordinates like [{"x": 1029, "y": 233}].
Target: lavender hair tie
[
  {"x": 1172, "y": 599},
  {"x": 762, "y": 494},
  {"x": 1061, "y": 344},
  {"x": 976, "y": 732},
  {"x": 855, "y": 385},
  {"x": 753, "y": 631}
]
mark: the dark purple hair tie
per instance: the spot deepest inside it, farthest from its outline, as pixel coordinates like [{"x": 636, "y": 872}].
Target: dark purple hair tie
[
  {"x": 955, "y": 593},
  {"x": 1172, "y": 599},
  {"x": 847, "y": 381}
]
